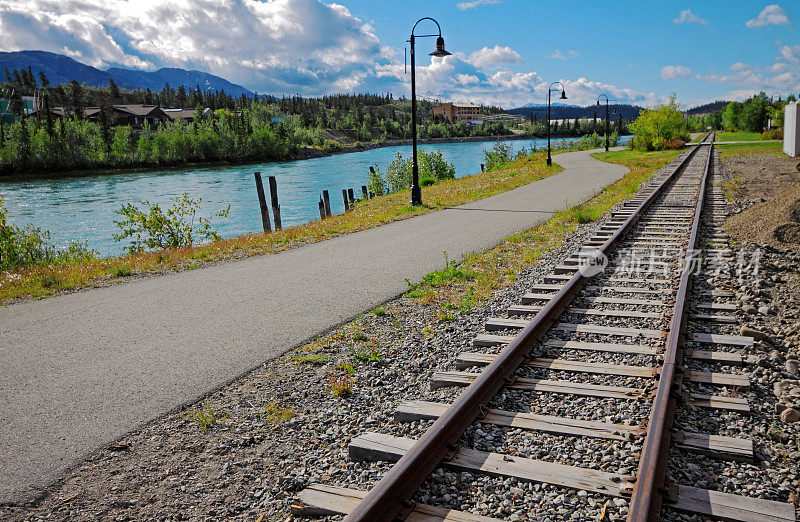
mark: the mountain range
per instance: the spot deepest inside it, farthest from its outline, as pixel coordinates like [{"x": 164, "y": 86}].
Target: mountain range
[{"x": 63, "y": 69}]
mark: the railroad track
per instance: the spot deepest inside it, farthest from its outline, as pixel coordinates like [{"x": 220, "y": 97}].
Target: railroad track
[{"x": 620, "y": 326}]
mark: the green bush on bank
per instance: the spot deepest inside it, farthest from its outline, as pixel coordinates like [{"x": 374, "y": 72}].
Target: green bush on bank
[
  {"x": 659, "y": 128},
  {"x": 431, "y": 165},
  {"x": 21, "y": 247},
  {"x": 152, "y": 228}
]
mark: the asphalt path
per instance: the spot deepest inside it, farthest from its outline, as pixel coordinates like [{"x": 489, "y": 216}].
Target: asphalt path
[{"x": 81, "y": 370}]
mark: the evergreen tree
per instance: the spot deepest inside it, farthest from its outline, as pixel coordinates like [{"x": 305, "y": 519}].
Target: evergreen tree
[
  {"x": 76, "y": 96},
  {"x": 105, "y": 128},
  {"x": 24, "y": 145},
  {"x": 48, "y": 115},
  {"x": 113, "y": 89}
]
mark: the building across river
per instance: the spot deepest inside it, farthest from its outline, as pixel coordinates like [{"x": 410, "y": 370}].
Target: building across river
[{"x": 458, "y": 112}]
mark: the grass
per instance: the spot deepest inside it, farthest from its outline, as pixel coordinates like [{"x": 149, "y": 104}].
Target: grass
[
  {"x": 738, "y": 136},
  {"x": 39, "y": 281},
  {"x": 206, "y": 416},
  {"x": 276, "y": 413},
  {"x": 748, "y": 149},
  {"x": 731, "y": 186},
  {"x": 368, "y": 355},
  {"x": 311, "y": 358},
  {"x": 462, "y": 286},
  {"x": 379, "y": 311},
  {"x": 341, "y": 383}
]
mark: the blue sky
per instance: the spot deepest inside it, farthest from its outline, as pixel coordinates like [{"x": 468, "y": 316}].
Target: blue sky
[{"x": 506, "y": 51}]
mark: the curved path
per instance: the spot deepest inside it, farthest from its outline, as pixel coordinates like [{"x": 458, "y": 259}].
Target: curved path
[{"x": 81, "y": 370}]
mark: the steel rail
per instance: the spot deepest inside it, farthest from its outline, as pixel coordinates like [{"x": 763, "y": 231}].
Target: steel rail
[
  {"x": 390, "y": 498},
  {"x": 649, "y": 490}
]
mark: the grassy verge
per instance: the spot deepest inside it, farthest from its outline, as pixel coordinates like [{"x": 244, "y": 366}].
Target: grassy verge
[
  {"x": 738, "y": 136},
  {"x": 44, "y": 281},
  {"x": 459, "y": 287},
  {"x": 746, "y": 149}
]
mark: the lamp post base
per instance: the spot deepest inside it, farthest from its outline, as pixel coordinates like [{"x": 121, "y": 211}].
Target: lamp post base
[{"x": 416, "y": 195}]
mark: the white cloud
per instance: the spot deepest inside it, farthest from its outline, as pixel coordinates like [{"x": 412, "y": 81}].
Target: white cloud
[
  {"x": 476, "y": 3},
  {"x": 791, "y": 53},
  {"x": 467, "y": 79},
  {"x": 770, "y": 15},
  {"x": 560, "y": 55},
  {"x": 779, "y": 76},
  {"x": 452, "y": 78},
  {"x": 777, "y": 67},
  {"x": 675, "y": 72},
  {"x": 494, "y": 57},
  {"x": 303, "y": 46},
  {"x": 688, "y": 17}
]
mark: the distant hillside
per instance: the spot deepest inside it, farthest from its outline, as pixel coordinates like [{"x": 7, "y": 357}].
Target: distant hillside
[
  {"x": 63, "y": 69},
  {"x": 574, "y": 111},
  {"x": 708, "y": 108}
]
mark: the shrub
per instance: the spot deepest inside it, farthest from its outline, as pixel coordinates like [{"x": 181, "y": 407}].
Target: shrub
[
  {"x": 152, "y": 228},
  {"x": 21, "y": 247},
  {"x": 431, "y": 165},
  {"x": 591, "y": 141},
  {"x": 772, "y": 134},
  {"x": 427, "y": 182},
  {"x": 660, "y": 127},
  {"x": 498, "y": 157},
  {"x": 376, "y": 182}
]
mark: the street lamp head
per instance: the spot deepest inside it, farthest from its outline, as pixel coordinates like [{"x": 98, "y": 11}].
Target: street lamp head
[
  {"x": 563, "y": 95},
  {"x": 440, "y": 50}
]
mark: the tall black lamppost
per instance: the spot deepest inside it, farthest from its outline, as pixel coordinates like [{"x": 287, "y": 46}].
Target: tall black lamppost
[
  {"x": 562, "y": 97},
  {"x": 416, "y": 191},
  {"x": 598, "y": 104}
]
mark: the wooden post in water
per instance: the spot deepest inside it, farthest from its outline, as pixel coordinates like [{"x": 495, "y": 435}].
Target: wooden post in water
[
  {"x": 262, "y": 201},
  {"x": 346, "y": 202},
  {"x": 276, "y": 208},
  {"x": 321, "y": 209},
  {"x": 327, "y": 200},
  {"x": 351, "y": 196},
  {"x": 364, "y": 191}
]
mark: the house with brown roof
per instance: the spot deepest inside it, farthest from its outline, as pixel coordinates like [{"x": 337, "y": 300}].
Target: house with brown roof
[
  {"x": 187, "y": 115},
  {"x": 134, "y": 115}
]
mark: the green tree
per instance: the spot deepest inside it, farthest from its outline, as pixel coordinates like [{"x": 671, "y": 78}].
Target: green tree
[
  {"x": 77, "y": 98},
  {"x": 731, "y": 115},
  {"x": 660, "y": 127},
  {"x": 113, "y": 89},
  {"x": 754, "y": 114},
  {"x": 105, "y": 128}
]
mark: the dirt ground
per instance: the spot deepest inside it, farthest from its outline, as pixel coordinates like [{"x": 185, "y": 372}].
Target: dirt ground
[{"x": 765, "y": 189}]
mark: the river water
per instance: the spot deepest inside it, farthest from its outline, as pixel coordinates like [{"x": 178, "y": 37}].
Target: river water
[{"x": 83, "y": 208}]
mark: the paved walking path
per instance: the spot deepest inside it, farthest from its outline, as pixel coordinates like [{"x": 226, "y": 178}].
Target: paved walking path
[{"x": 81, "y": 370}]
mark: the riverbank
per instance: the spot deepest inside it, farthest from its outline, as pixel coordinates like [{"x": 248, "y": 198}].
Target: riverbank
[{"x": 303, "y": 153}]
